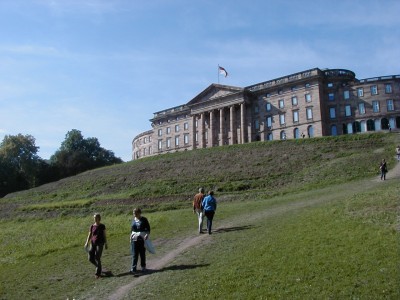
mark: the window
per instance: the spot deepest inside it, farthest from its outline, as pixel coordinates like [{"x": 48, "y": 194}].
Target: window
[
  {"x": 332, "y": 112},
  {"x": 361, "y": 108},
  {"x": 389, "y": 104},
  {"x": 280, "y": 92},
  {"x": 186, "y": 138},
  {"x": 308, "y": 97},
  {"x": 257, "y": 124},
  {"x": 360, "y": 92},
  {"x": 186, "y": 126},
  {"x": 331, "y": 96},
  {"x": 282, "y": 119},
  {"x": 268, "y": 95},
  {"x": 256, "y": 109},
  {"x": 269, "y": 121},
  {"x": 145, "y": 139},
  {"x": 159, "y": 144},
  {"x": 176, "y": 140},
  {"x": 168, "y": 130},
  {"x": 196, "y": 123},
  {"x": 168, "y": 143},
  {"x": 347, "y": 109},
  {"x": 388, "y": 88},
  {"x": 330, "y": 84},
  {"x": 374, "y": 90},
  {"x": 375, "y": 106},
  {"x": 268, "y": 106},
  {"x": 159, "y": 132},
  {"x": 281, "y": 103},
  {"x": 294, "y": 100},
  {"x": 295, "y": 116},
  {"x": 346, "y": 95},
  {"x": 309, "y": 113},
  {"x": 177, "y": 128},
  {"x": 307, "y": 85}
]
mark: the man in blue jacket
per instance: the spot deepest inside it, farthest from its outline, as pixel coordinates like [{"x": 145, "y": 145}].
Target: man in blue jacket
[{"x": 209, "y": 206}]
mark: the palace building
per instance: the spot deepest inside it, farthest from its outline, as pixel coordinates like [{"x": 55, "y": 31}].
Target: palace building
[{"x": 312, "y": 103}]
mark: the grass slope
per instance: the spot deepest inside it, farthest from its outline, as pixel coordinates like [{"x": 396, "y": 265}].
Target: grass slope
[{"x": 296, "y": 220}]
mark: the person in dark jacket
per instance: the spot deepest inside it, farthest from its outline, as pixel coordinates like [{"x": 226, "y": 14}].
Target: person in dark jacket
[
  {"x": 140, "y": 230},
  {"x": 209, "y": 207},
  {"x": 383, "y": 169}
]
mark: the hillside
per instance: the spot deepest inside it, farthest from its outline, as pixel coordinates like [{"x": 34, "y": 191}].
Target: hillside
[{"x": 168, "y": 181}]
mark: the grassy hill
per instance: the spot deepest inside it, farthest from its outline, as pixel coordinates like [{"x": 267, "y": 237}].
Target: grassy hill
[
  {"x": 168, "y": 181},
  {"x": 296, "y": 219}
]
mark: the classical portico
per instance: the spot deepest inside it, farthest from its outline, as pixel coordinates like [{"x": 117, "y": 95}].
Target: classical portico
[{"x": 218, "y": 117}]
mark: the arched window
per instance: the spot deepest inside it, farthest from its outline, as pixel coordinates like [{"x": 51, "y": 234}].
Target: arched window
[
  {"x": 296, "y": 133},
  {"x": 310, "y": 131},
  {"x": 333, "y": 130},
  {"x": 283, "y": 135},
  {"x": 384, "y": 123},
  {"x": 370, "y": 125}
]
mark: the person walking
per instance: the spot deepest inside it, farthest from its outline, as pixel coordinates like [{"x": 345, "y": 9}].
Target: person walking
[
  {"x": 383, "y": 169},
  {"x": 140, "y": 231},
  {"x": 210, "y": 206},
  {"x": 198, "y": 208},
  {"x": 98, "y": 240},
  {"x": 398, "y": 153}
]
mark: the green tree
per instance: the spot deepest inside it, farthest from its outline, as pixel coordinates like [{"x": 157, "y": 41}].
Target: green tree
[
  {"x": 18, "y": 163},
  {"x": 78, "y": 154}
]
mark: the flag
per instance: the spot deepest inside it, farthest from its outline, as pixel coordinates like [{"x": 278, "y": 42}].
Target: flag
[{"x": 222, "y": 71}]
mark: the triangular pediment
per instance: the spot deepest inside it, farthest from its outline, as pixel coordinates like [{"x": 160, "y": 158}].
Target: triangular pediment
[{"x": 215, "y": 91}]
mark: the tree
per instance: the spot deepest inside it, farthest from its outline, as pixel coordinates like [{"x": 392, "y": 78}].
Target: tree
[
  {"x": 78, "y": 154},
  {"x": 18, "y": 163}
]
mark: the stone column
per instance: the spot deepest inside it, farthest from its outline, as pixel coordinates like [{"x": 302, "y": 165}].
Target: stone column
[
  {"x": 233, "y": 137},
  {"x": 243, "y": 122},
  {"x": 221, "y": 127},
  {"x": 201, "y": 134},
  {"x": 211, "y": 131},
  {"x": 194, "y": 129}
]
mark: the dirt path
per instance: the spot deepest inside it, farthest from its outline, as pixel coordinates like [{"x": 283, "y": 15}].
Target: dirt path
[{"x": 183, "y": 245}]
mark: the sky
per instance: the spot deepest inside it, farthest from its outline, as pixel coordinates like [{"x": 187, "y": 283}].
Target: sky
[{"x": 104, "y": 67}]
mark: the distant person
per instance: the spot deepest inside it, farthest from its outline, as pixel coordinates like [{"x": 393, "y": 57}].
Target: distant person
[
  {"x": 198, "y": 208},
  {"x": 140, "y": 230},
  {"x": 383, "y": 169},
  {"x": 209, "y": 206},
  {"x": 98, "y": 240},
  {"x": 398, "y": 153}
]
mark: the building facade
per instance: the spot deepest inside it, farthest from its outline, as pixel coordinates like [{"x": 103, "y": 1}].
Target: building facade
[{"x": 307, "y": 104}]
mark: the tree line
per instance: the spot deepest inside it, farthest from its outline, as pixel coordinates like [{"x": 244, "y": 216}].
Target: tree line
[{"x": 21, "y": 168}]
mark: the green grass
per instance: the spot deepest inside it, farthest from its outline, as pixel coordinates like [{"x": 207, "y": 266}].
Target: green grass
[{"x": 296, "y": 220}]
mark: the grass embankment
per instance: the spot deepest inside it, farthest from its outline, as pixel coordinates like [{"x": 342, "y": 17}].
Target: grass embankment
[{"x": 345, "y": 245}]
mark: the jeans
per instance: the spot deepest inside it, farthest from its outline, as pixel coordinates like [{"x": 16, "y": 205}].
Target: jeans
[
  {"x": 137, "y": 248},
  {"x": 95, "y": 257},
  {"x": 210, "y": 215},
  {"x": 200, "y": 217}
]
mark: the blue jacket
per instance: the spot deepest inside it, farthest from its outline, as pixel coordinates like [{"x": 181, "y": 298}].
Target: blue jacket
[{"x": 209, "y": 203}]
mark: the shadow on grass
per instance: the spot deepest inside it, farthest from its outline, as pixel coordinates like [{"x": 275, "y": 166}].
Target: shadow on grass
[
  {"x": 236, "y": 228},
  {"x": 170, "y": 268}
]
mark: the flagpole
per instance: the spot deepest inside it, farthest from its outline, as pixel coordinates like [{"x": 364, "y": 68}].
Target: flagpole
[{"x": 218, "y": 73}]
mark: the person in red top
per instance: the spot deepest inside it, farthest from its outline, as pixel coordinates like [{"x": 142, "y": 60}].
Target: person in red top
[
  {"x": 98, "y": 240},
  {"x": 198, "y": 208}
]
